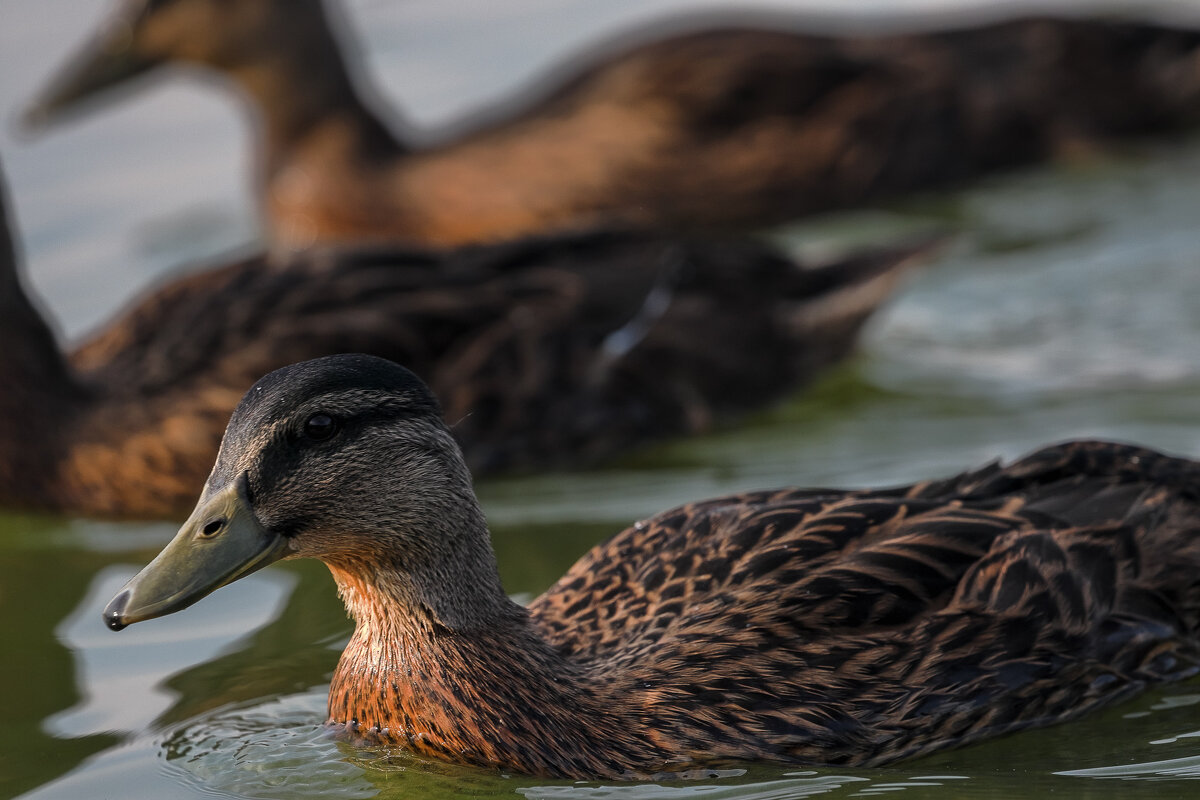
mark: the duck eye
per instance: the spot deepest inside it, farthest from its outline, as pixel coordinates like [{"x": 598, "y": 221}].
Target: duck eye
[{"x": 320, "y": 427}]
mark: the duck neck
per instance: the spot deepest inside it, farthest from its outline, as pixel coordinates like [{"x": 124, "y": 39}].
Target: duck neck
[
  {"x": 38, "y": 390},
  {"x": 306, "y": 92},
  {"x": 483, "y": 688}
]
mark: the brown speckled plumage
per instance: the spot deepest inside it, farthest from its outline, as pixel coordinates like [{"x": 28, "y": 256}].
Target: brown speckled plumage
[
  {"x": 728, "y": 127},
  {"x": 556, "y": 351},
  {"x": 812, "y": 626}
]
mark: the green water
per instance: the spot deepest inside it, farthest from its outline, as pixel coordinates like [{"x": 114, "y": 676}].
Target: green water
[{"x": 1066, "y": 307}]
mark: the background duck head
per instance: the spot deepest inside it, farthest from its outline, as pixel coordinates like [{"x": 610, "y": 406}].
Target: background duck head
[
  {"x": 249, "y": 41},
  {"x": 320, "y": 136}
]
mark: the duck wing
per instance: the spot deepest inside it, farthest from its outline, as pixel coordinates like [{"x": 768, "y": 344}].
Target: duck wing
[{"x": 859, "y": 627}]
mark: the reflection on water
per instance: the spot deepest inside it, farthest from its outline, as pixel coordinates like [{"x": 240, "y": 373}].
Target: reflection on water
[
  {"x": 787, "y": 787},
  {"x": 1187, "y": 767},
  {"x": 275, "y": 748},
  {"x": 265, "y": 750},
  {"x": 40, "y": 584},
  {"x": 123, "y": 695}
]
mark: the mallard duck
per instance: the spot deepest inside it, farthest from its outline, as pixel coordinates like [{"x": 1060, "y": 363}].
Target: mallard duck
[
  {"x": 806, "y": 625},
  {"x": 716, "y": 128},
  {"x": 555, "y": 351}
]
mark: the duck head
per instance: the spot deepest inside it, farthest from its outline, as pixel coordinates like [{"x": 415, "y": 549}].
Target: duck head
[
  {"x": 344, "y": 459},
  {"x": 231, "y": 36}
]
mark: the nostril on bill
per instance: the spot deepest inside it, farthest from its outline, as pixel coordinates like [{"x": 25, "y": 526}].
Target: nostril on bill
[{"x": 214, "y": 527}]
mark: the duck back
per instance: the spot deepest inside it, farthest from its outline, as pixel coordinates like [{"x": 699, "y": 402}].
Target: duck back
[{"x": 860, "y": 627}]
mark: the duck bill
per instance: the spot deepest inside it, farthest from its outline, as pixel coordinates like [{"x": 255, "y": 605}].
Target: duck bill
[
  {"x": 108, "y": 61},
  {"x": 221, "y": 542}
]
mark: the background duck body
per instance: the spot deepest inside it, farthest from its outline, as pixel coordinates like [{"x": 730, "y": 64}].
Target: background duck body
[
  {"x": 556, "y": 351},
  {"x": 719, "y": 128},
  {"x": 810, "y": 625}
]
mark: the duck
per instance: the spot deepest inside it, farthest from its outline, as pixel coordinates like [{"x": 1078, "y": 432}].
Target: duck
[
  {"x": 561, "y": 351},
  {"x": 709, "y": 128},
  {"x": 812, "y": 626}
]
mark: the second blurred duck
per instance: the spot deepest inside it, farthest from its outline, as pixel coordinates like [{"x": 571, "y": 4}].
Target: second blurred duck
[
  {"x": 553, "y": 351},
  {"x": 725, "y": 128}
]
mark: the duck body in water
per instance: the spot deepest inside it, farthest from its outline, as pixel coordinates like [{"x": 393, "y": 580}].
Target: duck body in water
[
  {"x": 556, "y": 351},
  {"x": 795, "y": 625},
  {"x": 723, "y": 128}
]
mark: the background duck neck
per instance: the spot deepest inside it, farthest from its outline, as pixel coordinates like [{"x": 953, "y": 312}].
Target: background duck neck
[
  {"x": 306, "y": 87},
  {"x": 39, "y": 392}
]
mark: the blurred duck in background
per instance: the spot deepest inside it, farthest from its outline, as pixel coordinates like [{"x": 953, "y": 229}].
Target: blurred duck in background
[
  {"x": 547, "y": 352},
  {"x": 722, "y": 128}
]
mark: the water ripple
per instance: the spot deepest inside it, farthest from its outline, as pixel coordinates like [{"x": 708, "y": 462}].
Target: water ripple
[{"x": 264, "y": 750}]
